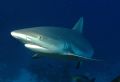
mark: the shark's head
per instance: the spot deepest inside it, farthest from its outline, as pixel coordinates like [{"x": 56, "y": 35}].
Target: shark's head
[{"x": 38, "y": 41}]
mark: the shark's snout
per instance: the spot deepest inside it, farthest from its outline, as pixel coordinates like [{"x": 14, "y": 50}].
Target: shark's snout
[
  {"x": 18, "y": 35},
  {"x": 14, "y": 34}
]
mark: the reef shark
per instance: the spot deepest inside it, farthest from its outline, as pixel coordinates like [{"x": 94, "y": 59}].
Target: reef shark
[{"x": 57, "y": 42}]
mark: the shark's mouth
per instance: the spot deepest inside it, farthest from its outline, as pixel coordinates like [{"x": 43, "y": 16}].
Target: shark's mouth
[{"x": 35, "y": 47}]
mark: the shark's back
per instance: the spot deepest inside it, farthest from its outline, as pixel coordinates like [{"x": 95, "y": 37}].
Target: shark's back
[{"x": 56, "y": 32}]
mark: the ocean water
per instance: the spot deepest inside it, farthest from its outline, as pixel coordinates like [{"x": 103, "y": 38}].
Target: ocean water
[{"x": 16, "y": 64}]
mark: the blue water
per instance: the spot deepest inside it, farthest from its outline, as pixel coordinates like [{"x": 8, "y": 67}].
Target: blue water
[{"x": 16, "y": 64}]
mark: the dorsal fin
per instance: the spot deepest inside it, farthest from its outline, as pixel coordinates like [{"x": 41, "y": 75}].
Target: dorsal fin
[{"x": 79, "y": 25}]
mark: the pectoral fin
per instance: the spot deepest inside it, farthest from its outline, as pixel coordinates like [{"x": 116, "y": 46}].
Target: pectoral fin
[{"x": 35, "y": 56}]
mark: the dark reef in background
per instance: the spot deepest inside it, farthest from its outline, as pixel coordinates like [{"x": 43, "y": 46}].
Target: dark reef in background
[
  {"x": 83, "y": 78},
  {"x": 117, "y": 79}
]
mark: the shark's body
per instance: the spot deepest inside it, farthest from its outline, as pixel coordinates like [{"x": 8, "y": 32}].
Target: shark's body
[{"x": 56, "y": 42}]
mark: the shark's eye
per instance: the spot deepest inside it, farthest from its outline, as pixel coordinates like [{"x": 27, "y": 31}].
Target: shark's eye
[{"x": 40, "y": 37}]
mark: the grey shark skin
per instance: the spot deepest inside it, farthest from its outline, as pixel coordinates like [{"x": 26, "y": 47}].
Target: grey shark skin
[{"x": 56, "y": 41}]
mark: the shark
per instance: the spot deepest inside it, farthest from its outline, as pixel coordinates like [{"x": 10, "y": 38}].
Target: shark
[{"x": 57, "y": 42}]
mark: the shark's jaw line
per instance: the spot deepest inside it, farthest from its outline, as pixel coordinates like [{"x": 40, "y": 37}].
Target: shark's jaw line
[{"x": 33, "y": 46}]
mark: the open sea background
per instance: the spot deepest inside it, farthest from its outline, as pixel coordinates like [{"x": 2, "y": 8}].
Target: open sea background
[{"x": 100, "y": 29}]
